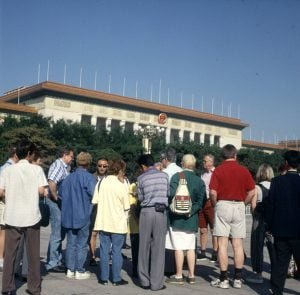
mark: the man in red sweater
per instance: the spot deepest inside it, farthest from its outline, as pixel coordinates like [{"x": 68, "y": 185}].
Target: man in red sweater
[{"x": 231, "y": 187}]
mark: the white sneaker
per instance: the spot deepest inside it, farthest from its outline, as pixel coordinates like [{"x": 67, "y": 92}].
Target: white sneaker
[
  {"x": 237, "y": 284},
  {"x": 82, "y": 275},
  {"x": 70, "y": 274},
  {"x": 220, "y": 284}
]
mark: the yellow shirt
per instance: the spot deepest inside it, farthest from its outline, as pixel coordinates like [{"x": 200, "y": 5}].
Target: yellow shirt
[
  {"x": 133, "y": 220},
  {"x": 113, "y": 204}
]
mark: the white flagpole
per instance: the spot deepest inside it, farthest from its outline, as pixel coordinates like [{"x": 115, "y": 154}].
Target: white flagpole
[
  {"x": 212, "y": 105},
  {"x": 109, "y": 83},
  {"x": 39, "y": 72},
  {"x": 202, "y": 103},
  {"x": 159, "y": 92},
  {"x": 181, "y": 94},
  {"x": 124, "y": 86},
  {"x": 95, "y": 82},
  {"x": 19, "y": 95},
  {"x": 80, "y": 77},
  {"x": 48, "y": 68},
  {"x": 193, "y": 101},
  {"x": 136, "y": 89},
  {"x": 65, "y": 73},
  {"x": 222, "y": 108},
  {"x": 151, "y": 93}
]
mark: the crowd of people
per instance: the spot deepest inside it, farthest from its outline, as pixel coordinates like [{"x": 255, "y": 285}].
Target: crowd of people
[{"x": 161, "y": 218}]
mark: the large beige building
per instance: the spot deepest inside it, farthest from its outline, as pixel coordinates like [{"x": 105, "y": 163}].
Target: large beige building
[{"x": 101, "y": 109}]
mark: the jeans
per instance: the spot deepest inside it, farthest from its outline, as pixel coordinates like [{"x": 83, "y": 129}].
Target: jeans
[
  {"x": 116, "y": 241},
  {"x": 54, "y": 255},
  {"x": 77, "y": 248}
]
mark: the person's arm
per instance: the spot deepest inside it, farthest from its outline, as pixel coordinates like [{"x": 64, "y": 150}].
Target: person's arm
[
  {"x": 53, "y": 190},
  {"x": 249, "y": 196},
  {"x": 2, "y": 193},
  {"x": 41, "y": 190},
  {"x": 213, "y": 195},
  {"x": 254, "y": 200}
]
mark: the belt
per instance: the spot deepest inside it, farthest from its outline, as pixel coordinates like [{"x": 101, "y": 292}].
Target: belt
[{"x": 235, "y": 201}]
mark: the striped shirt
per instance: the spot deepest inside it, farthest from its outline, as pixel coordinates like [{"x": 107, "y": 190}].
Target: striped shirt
[
  {"x": 58, "y": 171},
  {"x": 153, "y": 187}
]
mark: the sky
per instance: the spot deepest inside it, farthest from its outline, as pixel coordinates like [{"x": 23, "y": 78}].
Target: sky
[{"x": 236, "y": 58}]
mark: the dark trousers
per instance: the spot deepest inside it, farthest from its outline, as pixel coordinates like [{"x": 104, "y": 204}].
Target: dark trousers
[
  {"x": 258, "y": 233},
  {"x": 32, "y": 241},
  {"x": 134, "y": 241},
  {"x": 284, "y": 249}
]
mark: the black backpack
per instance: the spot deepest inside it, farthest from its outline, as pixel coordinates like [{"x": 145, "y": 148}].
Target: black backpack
[{"x": 261, "y": 206}]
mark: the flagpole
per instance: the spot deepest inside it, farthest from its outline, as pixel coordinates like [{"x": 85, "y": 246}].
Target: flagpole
[
  {"x": 65, "y": 73},
  {"x": 181, "y": 94},
  {"x": 95, "y": 82},
  {"x": 80, "y": 77},
  {"x": 48, "y": 68},
  {"x": 124, "y": 86},
  {"x": 39, "y": 72},
  {"x": 159, "y": 93}
]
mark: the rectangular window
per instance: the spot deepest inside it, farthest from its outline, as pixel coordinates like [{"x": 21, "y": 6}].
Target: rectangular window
[{"x": 86, "y": 119}]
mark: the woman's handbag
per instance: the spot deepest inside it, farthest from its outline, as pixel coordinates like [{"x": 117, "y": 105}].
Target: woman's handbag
[{"x": 45, "y": 212}]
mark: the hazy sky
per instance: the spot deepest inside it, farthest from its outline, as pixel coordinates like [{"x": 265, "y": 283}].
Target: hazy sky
[{"x": 235, "y": 58}]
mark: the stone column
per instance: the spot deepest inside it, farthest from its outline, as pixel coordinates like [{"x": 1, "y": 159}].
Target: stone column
[
  {"x": 108, "y": 124},
  {"x": 168, "y": 135}
]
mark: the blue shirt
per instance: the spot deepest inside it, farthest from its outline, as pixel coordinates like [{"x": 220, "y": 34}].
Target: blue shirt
[
  {"x": 153, "y": 187},
  {"x": 76, "y": 192}
]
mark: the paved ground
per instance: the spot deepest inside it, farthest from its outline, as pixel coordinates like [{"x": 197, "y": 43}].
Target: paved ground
[{"x": 56, "y": 284}]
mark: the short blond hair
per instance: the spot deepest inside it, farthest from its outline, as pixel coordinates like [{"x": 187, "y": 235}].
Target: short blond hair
[
  {"x": 264, "y": 173},
  {"x": 189, "y": 161},
  {"x": 83, "y": 159}
]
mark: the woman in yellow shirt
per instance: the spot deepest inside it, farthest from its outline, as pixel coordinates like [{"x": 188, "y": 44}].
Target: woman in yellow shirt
[{"x": 111, "y": 220}]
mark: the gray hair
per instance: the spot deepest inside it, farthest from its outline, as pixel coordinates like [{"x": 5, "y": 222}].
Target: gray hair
[{"x": 169, "y": 154}]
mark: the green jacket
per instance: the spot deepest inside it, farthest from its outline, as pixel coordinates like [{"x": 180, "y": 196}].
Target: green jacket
[{"x": 197, "y": 192}]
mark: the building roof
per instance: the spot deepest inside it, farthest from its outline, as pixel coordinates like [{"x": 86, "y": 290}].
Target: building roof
[
  {"x": 261, "y": 145},
  {"x": 13, "y": 108},
  {"x": 72, "y": 92}
]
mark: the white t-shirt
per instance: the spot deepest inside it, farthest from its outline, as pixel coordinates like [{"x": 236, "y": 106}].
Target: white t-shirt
[{"x": 21, "y": 183}]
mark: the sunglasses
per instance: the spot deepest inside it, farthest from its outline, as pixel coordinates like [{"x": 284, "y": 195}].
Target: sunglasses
[{"x": 102, "y": 166}]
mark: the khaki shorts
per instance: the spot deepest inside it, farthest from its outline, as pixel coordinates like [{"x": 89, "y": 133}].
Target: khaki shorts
[{"x": 230, "y": 219}]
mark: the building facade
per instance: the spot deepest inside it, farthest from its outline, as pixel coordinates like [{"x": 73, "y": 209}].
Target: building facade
[{"x": 104, "y": 110}]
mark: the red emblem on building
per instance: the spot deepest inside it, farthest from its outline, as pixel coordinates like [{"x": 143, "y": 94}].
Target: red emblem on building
[{"x": 162, "y": 118}]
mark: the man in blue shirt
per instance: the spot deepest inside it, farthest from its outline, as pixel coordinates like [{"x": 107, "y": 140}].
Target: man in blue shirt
[{"x": 75, "y": 193}]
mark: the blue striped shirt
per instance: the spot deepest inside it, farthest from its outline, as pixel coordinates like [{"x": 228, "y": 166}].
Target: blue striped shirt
[
  {"x": 58, "y": 171},
  {"x": 153, "y": 187}
]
